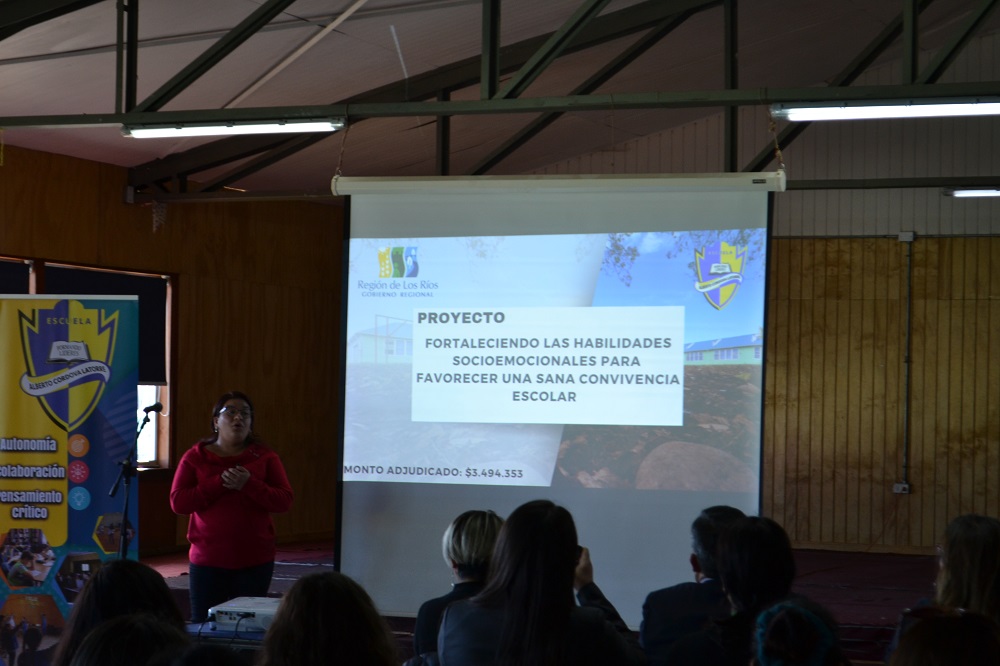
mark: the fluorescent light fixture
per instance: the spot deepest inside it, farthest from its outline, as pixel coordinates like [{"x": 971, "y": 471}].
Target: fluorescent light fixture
[
  {"x": 167, "y": 130},
  {"x": 882, "y": 109},
  {"x": 972, "y": 192}
]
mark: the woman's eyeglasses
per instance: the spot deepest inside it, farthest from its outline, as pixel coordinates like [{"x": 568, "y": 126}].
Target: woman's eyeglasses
[{"x": 231, "y": 412}]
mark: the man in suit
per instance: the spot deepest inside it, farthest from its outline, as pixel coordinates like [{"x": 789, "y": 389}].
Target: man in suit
[{"x": 676, "y": 611}]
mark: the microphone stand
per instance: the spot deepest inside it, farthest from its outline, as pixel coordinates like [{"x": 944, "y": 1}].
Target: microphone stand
[{"x": 126, "y": 473}]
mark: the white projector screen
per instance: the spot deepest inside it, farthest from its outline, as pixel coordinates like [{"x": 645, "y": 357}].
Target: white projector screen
[{"x": 593, "y": 341}]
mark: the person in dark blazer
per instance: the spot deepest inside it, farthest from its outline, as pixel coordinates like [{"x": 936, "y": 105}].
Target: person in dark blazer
[
  {"x": 756, "y": 568},
  {"x": 682, "y": 609},
  {"x": 467, "y": 546}
]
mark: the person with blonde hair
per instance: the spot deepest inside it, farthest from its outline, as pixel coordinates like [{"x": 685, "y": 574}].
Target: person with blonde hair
[
  {"x": 968, "y": 574},
  {"x": 327, "y": 618},
  {"x": 467, "y": 546}
]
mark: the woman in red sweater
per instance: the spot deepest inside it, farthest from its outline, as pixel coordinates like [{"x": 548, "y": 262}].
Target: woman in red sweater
[{"x": 230, "y": 484}]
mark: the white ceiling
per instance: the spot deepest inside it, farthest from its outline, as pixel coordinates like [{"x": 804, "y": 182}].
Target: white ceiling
[{"x": 66, "y": 66}]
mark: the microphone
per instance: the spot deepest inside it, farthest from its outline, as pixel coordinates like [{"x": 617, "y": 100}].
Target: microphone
[{"x": 155, "y": 407}]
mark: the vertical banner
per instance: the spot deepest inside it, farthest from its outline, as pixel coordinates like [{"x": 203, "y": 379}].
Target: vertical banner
[{"x": 68, "y": 373}]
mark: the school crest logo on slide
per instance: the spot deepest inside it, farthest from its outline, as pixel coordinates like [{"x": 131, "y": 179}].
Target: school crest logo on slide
[
  {"x": 720, "y": 272},
  {"x": 397, "y": 262},
  {"x": 68, "y": 352}
]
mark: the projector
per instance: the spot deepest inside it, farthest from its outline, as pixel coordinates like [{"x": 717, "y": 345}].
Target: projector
[{"x": 244, "y": 614}]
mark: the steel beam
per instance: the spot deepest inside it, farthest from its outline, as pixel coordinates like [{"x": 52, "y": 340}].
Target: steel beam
[
  {"x": 464, "y": 73},
  {"x": 894, "y": 183},
  {"x": 204, "y": 157},
  {"x": 590, "y": 85},
  {"x": 950, "y": 51},
  {"x": 602, "y": 102},
  {"x": 442, "y": 141},
  {"x": 552, "y": 49},
  {"x": 791, "y": 185},
  {"x": 615, "y": 25},
  {"x": 845, "y": 77},
  {"x": 731, "y": 80},
  {"x": 237, "y": 36},
  {"x": 490, "y": 72},
  {"x": 911, "y": 15},
  {"x": 17, "y": 15},
  {"x": 263, "y": 160}
]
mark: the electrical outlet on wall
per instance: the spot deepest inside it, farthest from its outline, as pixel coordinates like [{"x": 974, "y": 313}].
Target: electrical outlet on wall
[{"x": 901, "y": 488}]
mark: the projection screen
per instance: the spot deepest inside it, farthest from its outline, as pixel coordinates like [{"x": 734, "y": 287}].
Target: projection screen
[{"x": 596, "y": 341}]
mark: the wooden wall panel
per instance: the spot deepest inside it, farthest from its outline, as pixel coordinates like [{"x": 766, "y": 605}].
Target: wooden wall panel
[
  {"x": 258, "y": 292},
  {"x": 835, "y": 405}
]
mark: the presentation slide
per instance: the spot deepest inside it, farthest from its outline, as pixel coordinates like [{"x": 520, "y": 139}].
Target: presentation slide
[{"x": 601, "y": 347}]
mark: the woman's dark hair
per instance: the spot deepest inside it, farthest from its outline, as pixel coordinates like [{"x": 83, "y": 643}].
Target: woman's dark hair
[
  {"x": 969, "y": 577},
  {"x": 468, "y": 543},
  {"x": 949, "y": 638},
  {"x": 531, "y": 578},
  {"x": 327, "y": 618},
  {"x": 756, "y": 566},
  {"x": 32, "y": 638},
  {"x": 705, "y": 535},
  {"x": 219, "y": 404},
  {"x": 797, "y": 632},
  {"x": 118, "y": 587},
  {"x": 139, "y": 639}
]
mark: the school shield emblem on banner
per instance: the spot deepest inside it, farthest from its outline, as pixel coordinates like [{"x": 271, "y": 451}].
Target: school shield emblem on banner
[
  {"x": 68, "y": 351},
  {"x": 720, "y": 272}
]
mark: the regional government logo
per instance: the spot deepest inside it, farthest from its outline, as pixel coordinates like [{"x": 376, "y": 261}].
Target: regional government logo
[
  {"x": 68, "y": 352},
  {"x": 397, "y": 262},
  {"x": 720, "y": 272}
]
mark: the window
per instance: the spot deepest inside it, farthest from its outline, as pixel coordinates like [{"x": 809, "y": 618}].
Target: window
[
  {"x": 32, "y": 276},
  {"x": 727, "y": 354},
  {"x": 15, "y": 276},
  {"x": 146, "y": 443},
  {"x": 695, "y": 356}
]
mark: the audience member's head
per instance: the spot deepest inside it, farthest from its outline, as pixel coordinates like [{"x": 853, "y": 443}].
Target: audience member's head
[
  {"x": 705, "y": 535},
  {"x": 32, "y": 638},
  {"x": 119, "y": 587},
  {"x": 949, "y": 638},
  {"x": 797, "y": 632},
  {"x": 531, "y": 578},
  {"x": 138, "y": 639},
  {"x": 468, "y": 543},
  {"x": 970, "y": 566},
  {"x": 756, "y": 566},
  {"x": 327, "y": 618}
]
